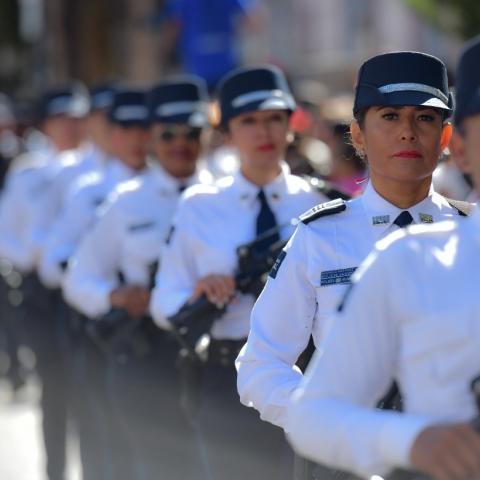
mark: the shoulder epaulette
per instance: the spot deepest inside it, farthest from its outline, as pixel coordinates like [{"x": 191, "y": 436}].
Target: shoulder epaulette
[
  {"x": 464, "y": 209},
  {"x": 323, "y": 210}
]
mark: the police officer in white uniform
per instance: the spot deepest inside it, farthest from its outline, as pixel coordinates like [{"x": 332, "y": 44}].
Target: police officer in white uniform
[
  {"x": 401, "y": 103},
  {"x": 92, "y": 155},
  {"x": 412, "y": 316},
  {"x": 128, "y": 239},
  {"x": 19, "y": 243},
  {"x": 201, "y": 260},
  {"x": 129, "y": 138},
  {"x": 104, "y": 452},
  {"x": 59, "y": 111}
]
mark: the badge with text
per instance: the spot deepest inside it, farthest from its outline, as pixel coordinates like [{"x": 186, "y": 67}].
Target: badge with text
[
  {"x": 336, "y": 277},
  {"x": 140, "y": 226},
  {"x": 381, "y": 220},
  {"x": 425, "y": 218},
  {"x": 278, "y": 262}
]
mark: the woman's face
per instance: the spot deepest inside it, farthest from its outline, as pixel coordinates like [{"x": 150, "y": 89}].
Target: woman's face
[
  {"x": 260, "y": 137},
  {"x": 177, "y": 147},
  {"x": 467, "y": 148},
  {"x": 400, "y": 143}
]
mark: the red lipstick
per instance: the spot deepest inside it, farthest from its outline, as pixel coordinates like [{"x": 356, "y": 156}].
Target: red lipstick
[
  {"x": 408, "y": 154},
  {"x": 267, "y": 147}
]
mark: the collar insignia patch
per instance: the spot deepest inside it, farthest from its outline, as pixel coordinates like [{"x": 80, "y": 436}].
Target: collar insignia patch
[
  {"x": 425, "y": 218},
  {"x": 381, "y": 220}
]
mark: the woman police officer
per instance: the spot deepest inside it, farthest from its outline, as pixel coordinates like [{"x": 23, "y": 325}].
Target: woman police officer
[
  {"x": 401, "y": 105},
  {"x": 112, "y": 272},
  {"x": 412, "y": 317},
  {"x": 200, "y": 259}
]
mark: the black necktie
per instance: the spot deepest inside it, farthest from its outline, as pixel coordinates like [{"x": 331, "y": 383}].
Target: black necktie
[
  {"x": 404, "y": 219},
  {"x": 265, "y": 222},
  {"x": 181, "y": 188}
]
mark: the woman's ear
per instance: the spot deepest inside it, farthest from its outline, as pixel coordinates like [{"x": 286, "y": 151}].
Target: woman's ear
[
  {"x": 358, "y": 140},
  {"x": 446, "y": 136},
  {"x": 457, "y": 152}
]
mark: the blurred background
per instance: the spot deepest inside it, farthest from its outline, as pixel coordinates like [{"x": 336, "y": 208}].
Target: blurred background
[
  {"x": 318, "y": 43},
  {"x": 43, "y": 42}
]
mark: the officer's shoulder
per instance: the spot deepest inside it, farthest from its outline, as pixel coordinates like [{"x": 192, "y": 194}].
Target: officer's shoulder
[
  {"x": 463, "y": 208},
  {"x": 68, "y": 158},
  {"x": 85, "y": 184},
  {"x": 128, "y": 192},
  {"x": 129, "y": 186},
  {"x": 296, "y": 184},
  {"x": 205, "y": 177},
  {"x": 89, "y": 179},
  {"x": 327, "y": 209},
  {"x": 200, "y": 191}
]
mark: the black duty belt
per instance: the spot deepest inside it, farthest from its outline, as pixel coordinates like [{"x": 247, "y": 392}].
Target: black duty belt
[{"x": 224, "y": 352}]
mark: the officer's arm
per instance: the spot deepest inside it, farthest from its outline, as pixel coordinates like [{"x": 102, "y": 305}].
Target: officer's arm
[
  {"x": 177, "y": 275},
  {"x": 92, "y": 272},
  {"x": 56, "y": 252},
  {"x": 65, "y": 235},
  {"x": 43, "y": 213},
  {"x": 14, "y": 218},
  {"x": 281, "y": 324},
  {"x": 331, "y": 418}
]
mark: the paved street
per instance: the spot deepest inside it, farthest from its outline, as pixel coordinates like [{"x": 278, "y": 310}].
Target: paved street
[{"x": 21, "y": 452}]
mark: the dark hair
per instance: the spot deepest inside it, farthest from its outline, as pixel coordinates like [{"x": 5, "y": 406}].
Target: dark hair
[
  {"x": 360, "y": 117},
  {"x": 341, "y": 133}
]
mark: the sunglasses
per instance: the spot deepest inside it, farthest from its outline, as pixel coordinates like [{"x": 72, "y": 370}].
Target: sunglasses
[{"x": 168, "y": 134}]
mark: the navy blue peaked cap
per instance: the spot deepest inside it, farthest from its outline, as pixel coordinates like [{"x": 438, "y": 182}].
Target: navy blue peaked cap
[
  {"x": 129, "y": 109},
  {"x": 179, "y": 99},
  {"x": 468, "y": 82},
  {"x": 252, "y": 89},
  {"x": 403, "y": 79},
  {"x": 101, "y": 96},
  {"x": 69, "y": 101}
]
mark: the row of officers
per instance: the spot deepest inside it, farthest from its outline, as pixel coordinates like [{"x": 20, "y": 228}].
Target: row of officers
[{"x": 140, "y": 274}]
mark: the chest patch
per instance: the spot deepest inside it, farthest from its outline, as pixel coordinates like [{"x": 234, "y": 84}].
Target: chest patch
[
  {"x": 135, "y": 227},
  {"x": 336, "y": 277}
]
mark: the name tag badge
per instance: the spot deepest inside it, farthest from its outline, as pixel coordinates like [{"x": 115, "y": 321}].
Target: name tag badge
[
  {"x": 140, "y": 226},
  {"x": 425, "y": 218},
  {"x": 336, "y": 277},
  {"x": 381, "y": 220}
]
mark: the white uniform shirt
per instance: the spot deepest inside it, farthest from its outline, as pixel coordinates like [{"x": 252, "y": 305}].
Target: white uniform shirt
[
  {"x": 308, "y": 286},
  {"x": 210, "y": 224},
  {"x": 412, "y": 317},
  {"x": 58, "y": 207},
  {"x": 127, "y": 238},
  {"x": 24, "y": 188},
  {"x": 78, "y": 215},
  {"x": 60, "y": 176}
]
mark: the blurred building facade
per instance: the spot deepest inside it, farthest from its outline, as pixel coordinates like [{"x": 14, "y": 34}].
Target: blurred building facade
[{"x": 322, "y": 39}]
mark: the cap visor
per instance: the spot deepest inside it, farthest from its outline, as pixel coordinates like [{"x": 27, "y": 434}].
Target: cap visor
[
  {"x": 194, "y": 119},
  {"x": 414, "y": 99}
]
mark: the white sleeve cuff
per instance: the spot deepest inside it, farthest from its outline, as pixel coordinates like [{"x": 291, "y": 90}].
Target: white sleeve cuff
[
  {"x": 101, "y": 301},
  {"x": 397, "y": 437}
]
